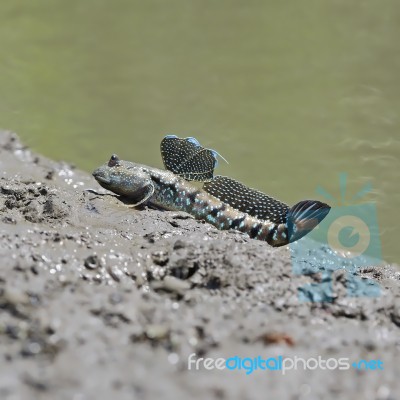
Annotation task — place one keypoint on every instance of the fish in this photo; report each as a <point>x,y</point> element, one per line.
<point>222,201</point>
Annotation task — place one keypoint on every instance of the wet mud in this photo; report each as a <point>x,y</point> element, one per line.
<point>99,300</point>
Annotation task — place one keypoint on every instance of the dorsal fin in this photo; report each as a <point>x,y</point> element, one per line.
<point>188,159</point>
<point>247,200</point>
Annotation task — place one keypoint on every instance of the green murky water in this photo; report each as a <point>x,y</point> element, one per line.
<point>291,93</point>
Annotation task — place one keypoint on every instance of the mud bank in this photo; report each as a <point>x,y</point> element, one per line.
<point>101,301</point>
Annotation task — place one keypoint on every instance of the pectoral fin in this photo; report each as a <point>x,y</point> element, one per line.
<point>142,195</point>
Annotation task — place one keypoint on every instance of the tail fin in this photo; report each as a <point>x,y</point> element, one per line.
<point>304,216</point>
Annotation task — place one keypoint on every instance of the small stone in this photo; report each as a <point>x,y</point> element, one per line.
<point>160,257</point>
<point>9,220</point>
<point>172,284</point>
<point>156,332</point>
<point>179,244</point>
<point>92,262</point>
<point>115,298</point>
<point>115,273</point>
<point>15,296</point>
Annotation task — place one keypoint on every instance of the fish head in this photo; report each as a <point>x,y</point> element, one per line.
<point>123,178</point>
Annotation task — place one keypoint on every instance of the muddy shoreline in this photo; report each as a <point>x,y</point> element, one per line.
<point>98,300</point>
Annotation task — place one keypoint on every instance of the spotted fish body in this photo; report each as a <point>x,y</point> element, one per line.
<point>223,202</point>
<point>174,193</point>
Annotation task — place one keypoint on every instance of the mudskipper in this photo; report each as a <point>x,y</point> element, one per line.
<point>222,202</point>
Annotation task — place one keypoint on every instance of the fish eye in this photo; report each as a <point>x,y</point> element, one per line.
<point>114,160</point>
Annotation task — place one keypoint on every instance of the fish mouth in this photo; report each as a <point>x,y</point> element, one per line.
<point>101,178</point>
